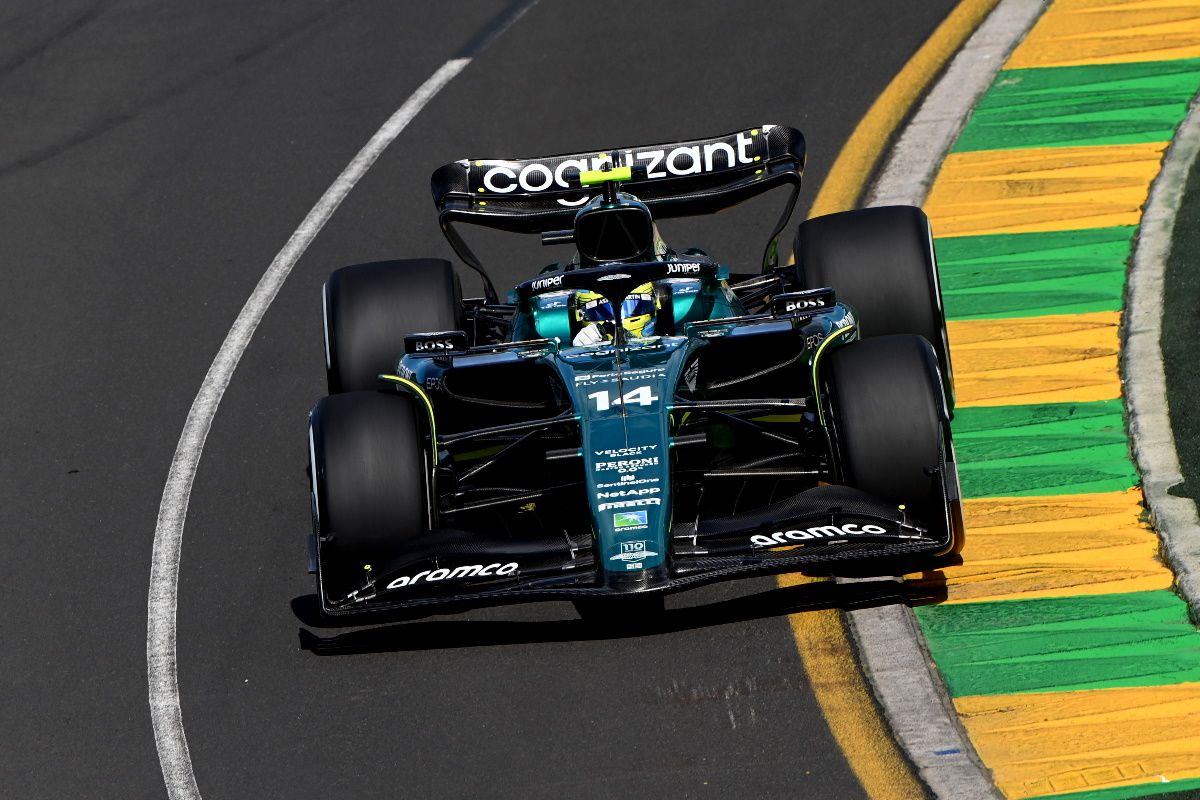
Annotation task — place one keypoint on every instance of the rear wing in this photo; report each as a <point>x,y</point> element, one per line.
<point>700,176</point>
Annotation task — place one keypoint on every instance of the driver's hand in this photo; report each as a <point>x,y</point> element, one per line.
<point>589,334</point>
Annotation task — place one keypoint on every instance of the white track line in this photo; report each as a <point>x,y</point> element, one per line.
<point>162,674</point>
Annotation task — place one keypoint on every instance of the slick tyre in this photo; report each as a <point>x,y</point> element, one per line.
<point>888,423</point>
<point>370,477</point>
<point>370,308</point>
<point>881,262</point>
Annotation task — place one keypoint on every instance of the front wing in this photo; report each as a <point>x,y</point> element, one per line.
<point>830,530</point>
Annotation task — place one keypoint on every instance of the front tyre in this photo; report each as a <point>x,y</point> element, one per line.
<point>370,468</point>
<point>881,262</point>
<point>890,425</point>
<point>370,308</point>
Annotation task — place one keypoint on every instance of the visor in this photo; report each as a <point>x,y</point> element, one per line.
<point>634,305</point>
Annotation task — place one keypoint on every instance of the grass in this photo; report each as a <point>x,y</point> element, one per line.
<point>1181,337</point>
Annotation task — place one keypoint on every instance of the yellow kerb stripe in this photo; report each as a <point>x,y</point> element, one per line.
<point>846,702</point>
<point>1021,548</point>
<point>1042,189</point>
<point>1074,32</point>
<point>1048,359</point>
<point>825,650</point>
<point>1058,742</point>
<point>858,157</point>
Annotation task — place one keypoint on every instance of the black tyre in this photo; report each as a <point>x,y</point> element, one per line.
<point>881,262</point>
<point>370,476</point>
<point>370,308</point>
<point>889,423</point>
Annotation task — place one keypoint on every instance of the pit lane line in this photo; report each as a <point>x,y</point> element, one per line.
<point>162,674</point>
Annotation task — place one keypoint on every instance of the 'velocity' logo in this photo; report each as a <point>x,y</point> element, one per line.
<point>458,573</point>
<point>818,532</point>
<point>626,452</point>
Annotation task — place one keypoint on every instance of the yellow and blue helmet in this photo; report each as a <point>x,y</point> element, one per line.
<point>638,311</point>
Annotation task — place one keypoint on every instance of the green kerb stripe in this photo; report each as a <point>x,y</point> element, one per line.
<point>1053,448</point>
<point>1188,789</point>
<point>1063,644</point>
<point>1034,274</point>
<point>1091,105</point>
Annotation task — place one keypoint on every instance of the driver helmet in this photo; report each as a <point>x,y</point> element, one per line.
<point>638,312</point>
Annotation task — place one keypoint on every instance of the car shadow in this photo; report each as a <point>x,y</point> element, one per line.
<point>398,634</point>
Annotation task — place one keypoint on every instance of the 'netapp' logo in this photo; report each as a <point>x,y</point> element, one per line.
<point>628,493</point>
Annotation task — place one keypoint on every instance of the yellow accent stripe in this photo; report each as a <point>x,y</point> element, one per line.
<point>1057,742</point>
<point>862,151</point>
<point>428,404</point>
<point>1021,548</point>
<point>475,455</point>
<point>1036,359</point>
<point>779,418</point>
<point>847,704</point>
<point>1076,32</point>
<point>816,363</point>
<point>1042,189</point>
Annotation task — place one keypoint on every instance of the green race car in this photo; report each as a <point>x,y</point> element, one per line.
<point>634,420</point>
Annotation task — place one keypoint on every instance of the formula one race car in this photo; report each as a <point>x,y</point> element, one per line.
<point>636,420</point>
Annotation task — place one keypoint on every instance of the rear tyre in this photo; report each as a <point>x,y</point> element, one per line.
<point>370,477</point>
<point>370,308</point>
<point>889,425</point>
<point>881,262</point>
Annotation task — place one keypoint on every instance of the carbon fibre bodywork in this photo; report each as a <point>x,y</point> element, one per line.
<point>557,465</point>
<point>652,464</point>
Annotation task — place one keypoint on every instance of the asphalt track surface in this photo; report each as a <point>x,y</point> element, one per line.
<point>153,160</point>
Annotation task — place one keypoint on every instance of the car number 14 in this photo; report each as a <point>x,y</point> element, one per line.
<point>642,396</point>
